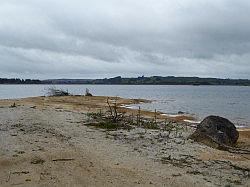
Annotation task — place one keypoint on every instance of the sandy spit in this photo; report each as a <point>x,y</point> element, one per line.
<point>44,142</point>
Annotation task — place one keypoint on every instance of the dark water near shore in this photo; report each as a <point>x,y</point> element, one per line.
<point>232,102</point>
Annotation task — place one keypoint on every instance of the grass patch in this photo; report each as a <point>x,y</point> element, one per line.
<point>108,125</point>
<point>150,125</point>
<point>104,125</point>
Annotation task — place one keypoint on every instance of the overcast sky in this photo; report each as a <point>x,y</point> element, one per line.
<point>105,38</point>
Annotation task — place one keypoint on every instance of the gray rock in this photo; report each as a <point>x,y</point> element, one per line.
<point>215,131</point>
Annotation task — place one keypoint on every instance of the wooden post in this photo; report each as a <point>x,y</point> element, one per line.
<point>139,115</point>
<point>155,116</point>
<point>100,113</point>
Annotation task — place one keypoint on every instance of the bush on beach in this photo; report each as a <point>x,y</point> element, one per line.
<point>53,91</point>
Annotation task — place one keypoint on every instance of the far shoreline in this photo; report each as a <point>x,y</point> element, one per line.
<point>136,84</point>
<point>141,80</point>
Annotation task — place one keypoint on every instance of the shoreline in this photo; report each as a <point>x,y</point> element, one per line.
<point>123,103</point>
<point>199,105</point>
<point>51,141</point>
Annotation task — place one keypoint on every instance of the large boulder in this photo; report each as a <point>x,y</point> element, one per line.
<point>216,132</point>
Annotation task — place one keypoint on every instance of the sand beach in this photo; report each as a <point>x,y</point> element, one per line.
<point>48,141</point>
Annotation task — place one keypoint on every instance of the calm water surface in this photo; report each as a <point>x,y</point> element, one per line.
<point>232,102</point>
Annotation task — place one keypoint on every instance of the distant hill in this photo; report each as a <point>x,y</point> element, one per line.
<point>154,80</point>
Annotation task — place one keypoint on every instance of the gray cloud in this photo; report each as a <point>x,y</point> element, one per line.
<point>96,39</point>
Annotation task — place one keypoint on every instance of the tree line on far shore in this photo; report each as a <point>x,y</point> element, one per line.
<point>154,80</point>
<point>19,81</point>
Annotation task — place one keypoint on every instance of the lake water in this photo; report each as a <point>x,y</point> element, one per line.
<point>232,102</point>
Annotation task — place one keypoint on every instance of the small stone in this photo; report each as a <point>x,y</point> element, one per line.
<point>37,161</point>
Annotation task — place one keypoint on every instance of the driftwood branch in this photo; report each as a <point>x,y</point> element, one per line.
<point>114,115</point>
<point>110,109</point>
<point>63,159</point>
